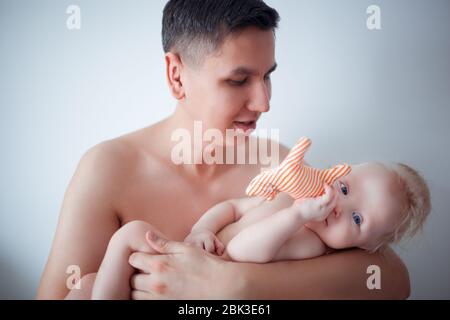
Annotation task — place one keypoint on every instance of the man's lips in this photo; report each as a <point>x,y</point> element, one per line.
<point>245,125</point>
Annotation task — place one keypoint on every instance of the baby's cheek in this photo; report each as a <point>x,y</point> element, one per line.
<point>341,236</point>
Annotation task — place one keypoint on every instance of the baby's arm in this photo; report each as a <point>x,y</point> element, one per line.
<point>203,233</point>
<point>272,237</point>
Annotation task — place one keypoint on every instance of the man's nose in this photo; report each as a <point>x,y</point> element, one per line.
<point>260,100</point>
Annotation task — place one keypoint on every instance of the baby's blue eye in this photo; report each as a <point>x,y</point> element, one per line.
<point>344,189</point>
<point>357,218</point>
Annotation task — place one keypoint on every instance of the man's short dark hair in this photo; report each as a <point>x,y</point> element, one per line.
<point>195,28</point>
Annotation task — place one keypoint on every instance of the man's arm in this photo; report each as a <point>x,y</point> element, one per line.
<point>341,275</point>
<point>87,219</point>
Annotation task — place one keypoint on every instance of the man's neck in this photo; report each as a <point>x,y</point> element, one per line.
<point>180,130</point>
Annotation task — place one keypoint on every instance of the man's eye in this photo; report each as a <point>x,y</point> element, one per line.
<point>343,188</point>
<point>237,82</point>
<point>357,219</point>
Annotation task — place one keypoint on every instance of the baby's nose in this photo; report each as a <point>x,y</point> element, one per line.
<point>337,211</point>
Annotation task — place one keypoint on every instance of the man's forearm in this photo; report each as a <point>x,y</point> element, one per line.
<point>341,275</point>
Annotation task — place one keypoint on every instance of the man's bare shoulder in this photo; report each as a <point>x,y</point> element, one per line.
<point>102,170</point>
<point>113,155</point>
<point>125,152</point>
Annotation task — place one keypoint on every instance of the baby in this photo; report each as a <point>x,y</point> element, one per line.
<point>373,205</point>
<point>367,206</point>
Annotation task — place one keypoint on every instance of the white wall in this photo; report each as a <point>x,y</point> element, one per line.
<point>360,95</point>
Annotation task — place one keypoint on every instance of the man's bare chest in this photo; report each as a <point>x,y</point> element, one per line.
<point>173,204</point>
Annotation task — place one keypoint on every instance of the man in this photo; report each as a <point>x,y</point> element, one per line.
<point>219,56</point>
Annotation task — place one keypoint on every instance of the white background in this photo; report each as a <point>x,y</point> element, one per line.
<point>360,95</point>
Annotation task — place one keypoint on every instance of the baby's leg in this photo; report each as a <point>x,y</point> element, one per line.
<point>113,277</point>
<point>261,241</point>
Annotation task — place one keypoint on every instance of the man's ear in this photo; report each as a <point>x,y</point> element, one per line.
<point>174,66</point>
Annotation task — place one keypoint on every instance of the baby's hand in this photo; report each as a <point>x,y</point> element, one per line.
<point>206,240</point>
<point>319,208</point>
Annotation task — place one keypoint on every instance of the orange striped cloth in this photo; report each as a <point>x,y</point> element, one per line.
<point>295,178</point>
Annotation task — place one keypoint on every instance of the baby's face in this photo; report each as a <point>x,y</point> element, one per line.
<point>366,208</point>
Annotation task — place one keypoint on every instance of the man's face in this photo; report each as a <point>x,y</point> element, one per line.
<point>232,87</point>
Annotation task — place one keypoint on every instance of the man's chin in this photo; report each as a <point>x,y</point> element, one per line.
<point>241,134</point>
<point>238,138</point>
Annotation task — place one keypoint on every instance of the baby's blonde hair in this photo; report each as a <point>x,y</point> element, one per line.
<point>416,205</point>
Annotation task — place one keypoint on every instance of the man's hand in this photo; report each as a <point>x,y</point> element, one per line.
<point>319,208</point>
<point>182,271</point>
<point>207,240</point>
